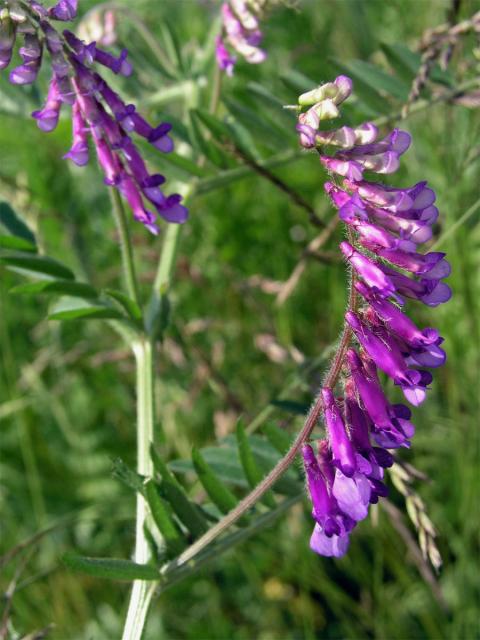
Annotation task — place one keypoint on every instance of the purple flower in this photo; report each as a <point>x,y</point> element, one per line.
<point>397,321</point>
<point>343,453</point>
<point>373,275</point>
<point>225,60</point>
<point>47,118</point>
<point>330,535</point>
<point>353,493</point>
<point>7,41</point>
<point>118,65</point>
<point>79,150</point>
<point>386,354</point>
<point>240,31</point>
<point>64,10</point>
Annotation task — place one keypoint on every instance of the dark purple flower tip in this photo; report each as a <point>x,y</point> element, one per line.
<point>379,490</point>
<point>401,411</point>
<point>383,457</point>
<point>64,10</point>
<point>154,180</point>
<point>173,211</point>
<point>158,137</point>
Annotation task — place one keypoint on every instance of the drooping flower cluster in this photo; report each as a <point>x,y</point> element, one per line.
<point>240,32</point>
<point>387,225</point>
<point>98,113</point>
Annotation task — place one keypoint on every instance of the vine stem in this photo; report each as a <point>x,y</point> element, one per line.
<point>125,246</point>
<point>282,466</point>
<point>142,591</point>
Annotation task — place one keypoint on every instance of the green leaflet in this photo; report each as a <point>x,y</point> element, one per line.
<point>219,494</point>
<point>253,473</point>
<point>110,568</point>
<point>34,265</point>
<point>163,517</point>
<point>12,223</point>
<point>187,512</point>
<point>56,287</point>
<point>128,305</point>
<point>66,310</point>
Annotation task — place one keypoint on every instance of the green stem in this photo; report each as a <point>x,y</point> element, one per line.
<point>125,246</point>
<point>142,591</point>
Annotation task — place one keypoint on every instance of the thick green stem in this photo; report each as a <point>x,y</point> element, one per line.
<point>142,591</point>
<point>125,246</point>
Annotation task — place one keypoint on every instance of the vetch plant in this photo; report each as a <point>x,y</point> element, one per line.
<point>97,111</point>
<point>385,226</point>
<point>240,32</point>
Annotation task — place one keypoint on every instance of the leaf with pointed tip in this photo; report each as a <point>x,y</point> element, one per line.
<point>187,512</point>
<point>130,306</point>
<point>10,221</point>
<point>34,265</point>
<point>110,568</point>
<point>378,79</point>
<point>16,244</point>
<point>217,491</point>
<point>56,287</point>
<point>404,62</point>
<point>163,518</point>
<point>172,45</point>
<point>71,309</point>
<point>252,471</point>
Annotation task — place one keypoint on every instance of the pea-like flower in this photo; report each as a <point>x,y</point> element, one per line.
<point>386,226</point>
<point>98,113</point>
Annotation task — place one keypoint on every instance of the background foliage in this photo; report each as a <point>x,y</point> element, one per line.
<point>67,389</point>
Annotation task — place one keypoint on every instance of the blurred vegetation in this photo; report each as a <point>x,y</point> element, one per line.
<point>67,404</point>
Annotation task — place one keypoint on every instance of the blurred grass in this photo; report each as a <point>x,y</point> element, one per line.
<point>68,400</point>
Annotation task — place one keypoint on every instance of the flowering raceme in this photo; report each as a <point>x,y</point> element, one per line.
<point>98,113</point>
<point>385,227</point>
<point>240,32</point>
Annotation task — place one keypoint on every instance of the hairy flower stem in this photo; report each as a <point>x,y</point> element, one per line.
<point>282,466</point>
<point>125,246</point>
<point>142,591</point>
